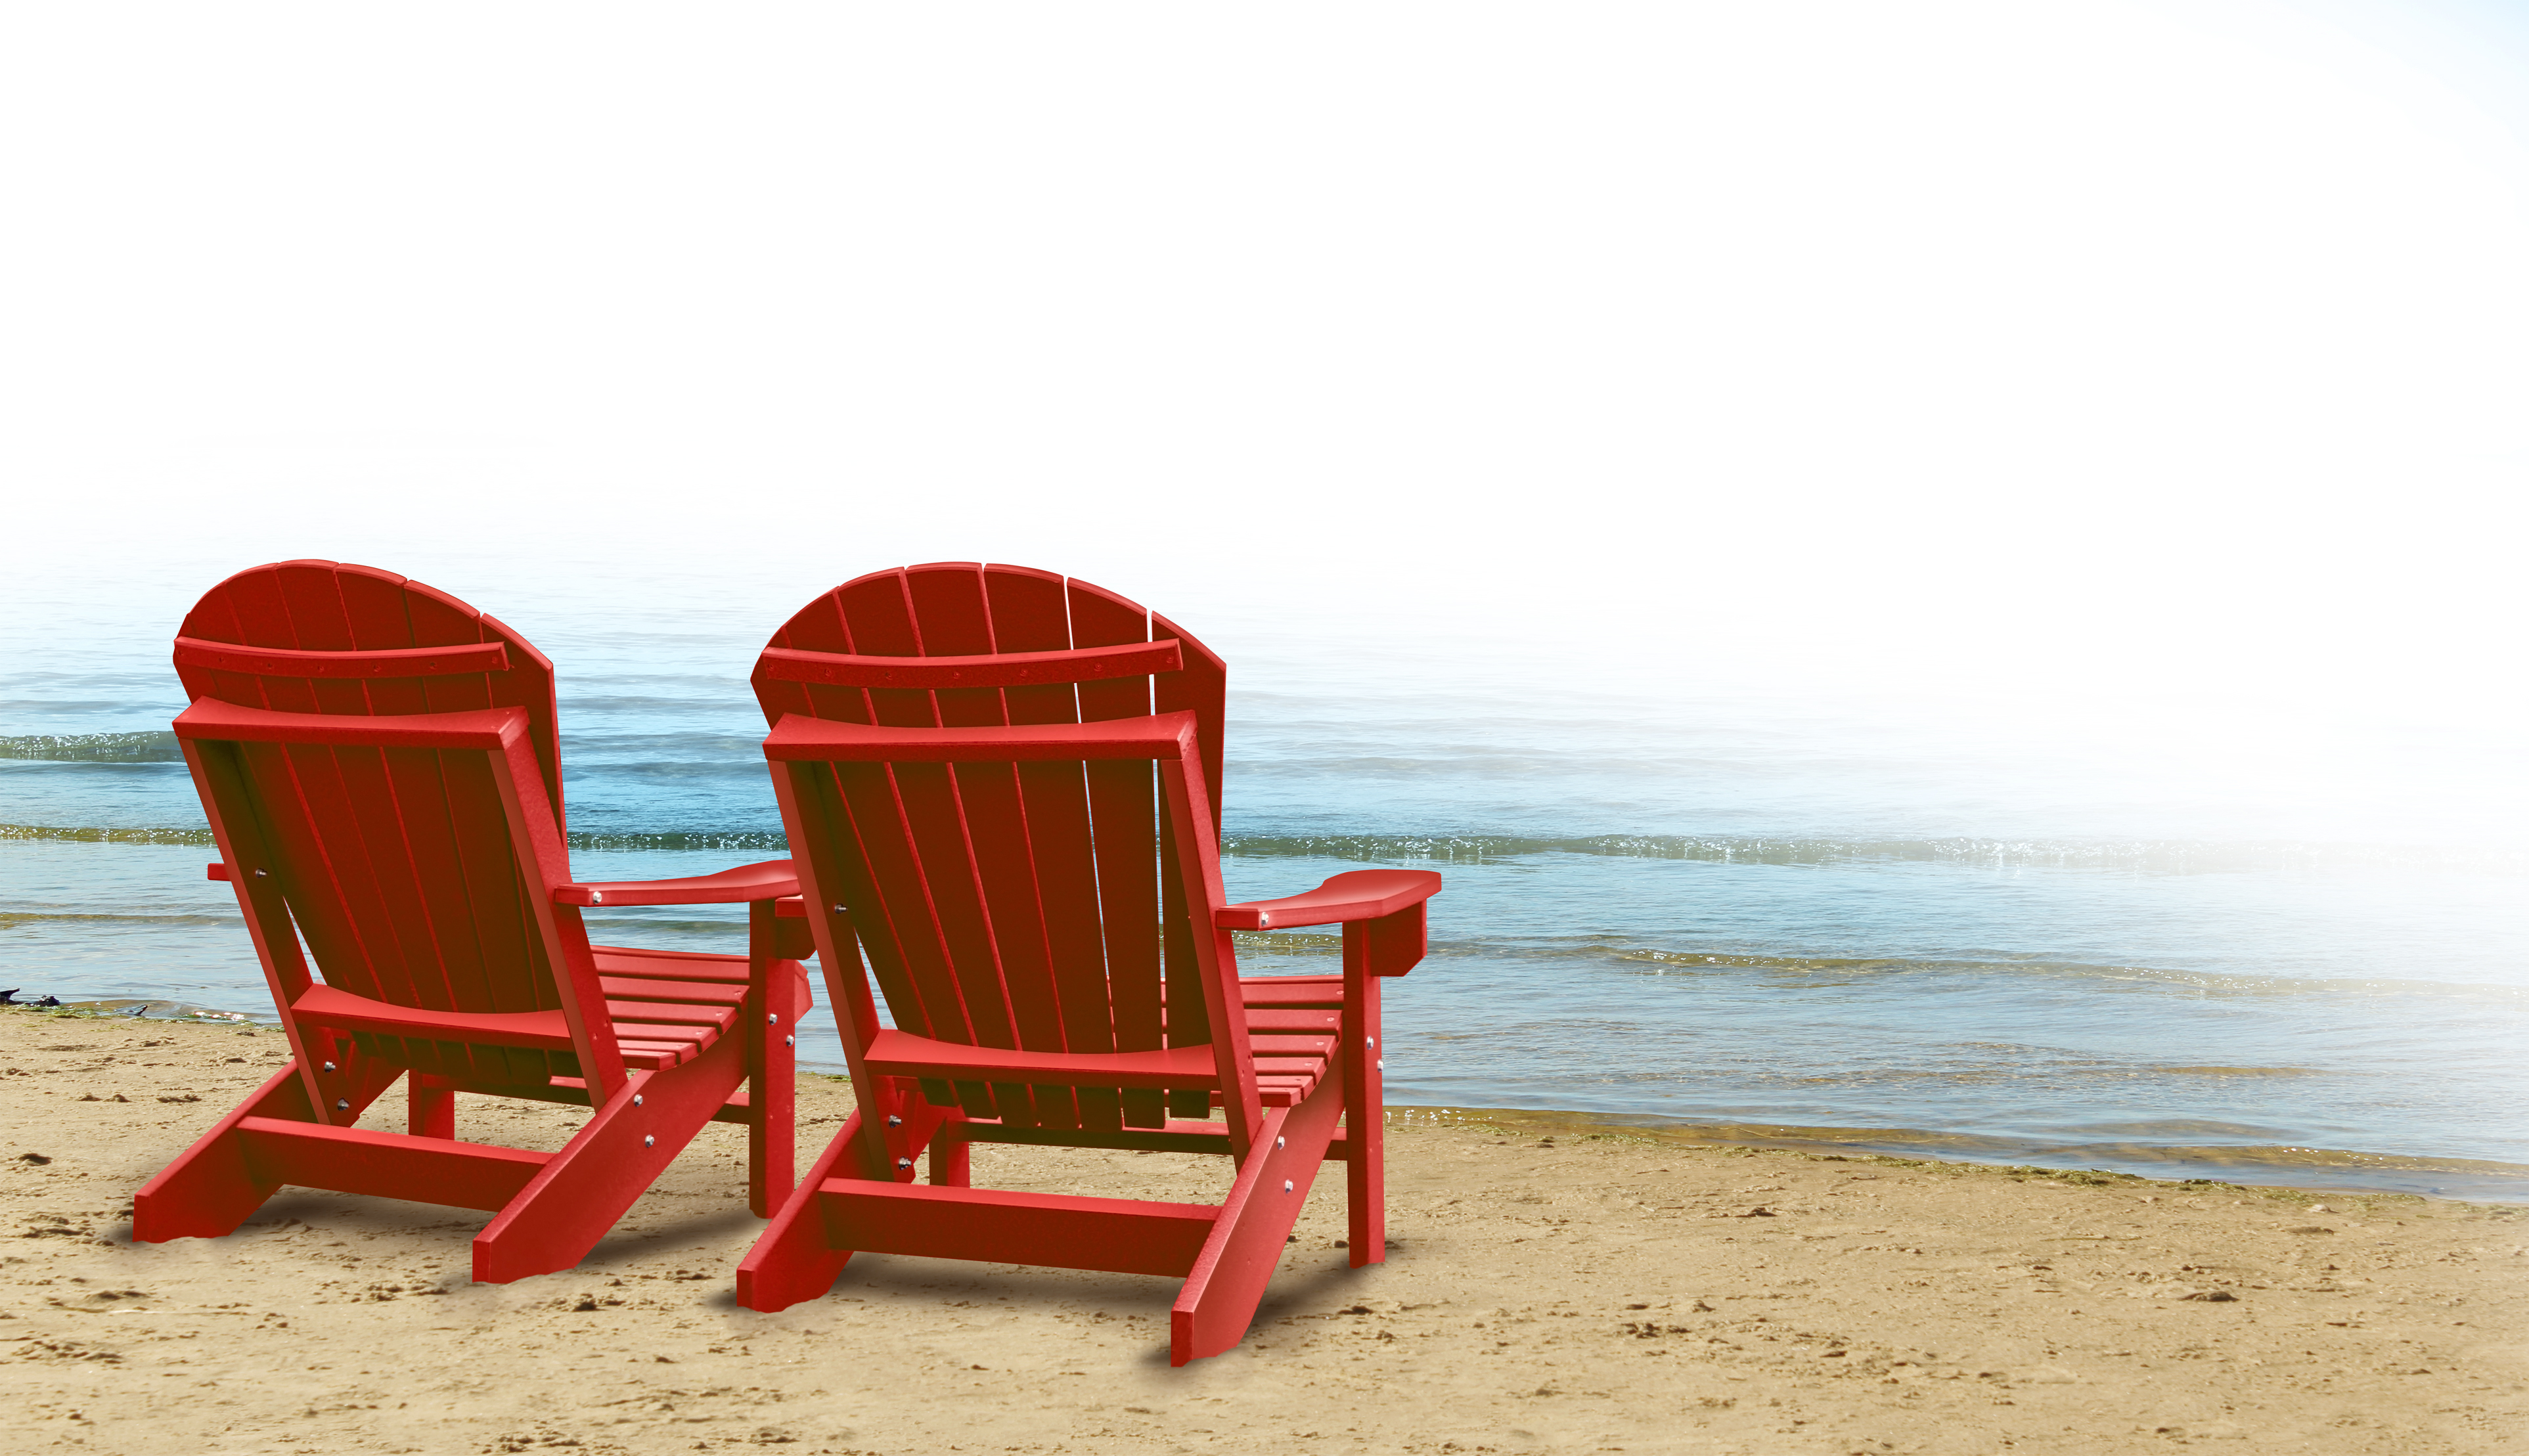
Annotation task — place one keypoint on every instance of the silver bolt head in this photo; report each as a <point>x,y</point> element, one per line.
<point>1279,1142</point>
<point>636,1098</point>
<point>1382,1063</point>
<point>648,1140</point>
<point>342,1105</point>
<point>328,1066</point>
<point>1286,1185</point>
<point>773,1018</point>
<point>902,1164</point>
<point>789,1041</point>
<point>894,1121</point>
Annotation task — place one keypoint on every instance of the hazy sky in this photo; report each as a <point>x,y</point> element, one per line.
<point>2172,344</point>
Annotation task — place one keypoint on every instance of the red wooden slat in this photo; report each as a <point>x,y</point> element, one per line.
<point>907,931</point>
<point>820,626</point>
<point>971,672</point>
<point>360,827</point>
<point>897,1054</point>
<point>664,1034</point>
<point>349,1010</point>
<point>806,738</point>
<point>527,685</point>
<point>350,1159</point>
<point>404,957</point>
<point>431,911</point>
<point>1057,974</point>
<point>1202,687</point>
<point>891,906</point>
<point>947,601</point>
<point>358,665</point>
<point>955,616</point>
<point>474,882</point>
<point>879,614</point>
<point>1292,991</point>
<point>1117,1235</point>
<point>1124,823</point>
<point>1266,1020</point>
<point>687,993</point>
<point>680,1013</point>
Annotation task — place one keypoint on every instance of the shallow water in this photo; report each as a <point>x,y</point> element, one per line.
<point>1951,929</point>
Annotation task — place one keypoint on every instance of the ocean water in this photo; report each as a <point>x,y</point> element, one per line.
<point>1978,927</point>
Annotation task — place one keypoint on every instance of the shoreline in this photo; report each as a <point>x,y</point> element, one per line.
<point>1545,1290</point>
<point>2308,1170</point>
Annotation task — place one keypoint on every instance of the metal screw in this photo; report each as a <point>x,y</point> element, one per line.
<point>1372,1041</point>
<point>648,1140</point>
<point>773,1018</point>
<point>1382,1063</point>
<point>902,1164</point>
<point>263,874</point>
<point>789,1041</point>
<point>894,1121</point>
<point>636,1098</point>
<point>342,1105</point>
<point>1277,1142</point>
<point>839,910</point>
<point>328,1066</point>
<point>1286,1185</point>
<point>597,896</point>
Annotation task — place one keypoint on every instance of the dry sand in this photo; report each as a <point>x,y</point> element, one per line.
<point>1548,1290</point>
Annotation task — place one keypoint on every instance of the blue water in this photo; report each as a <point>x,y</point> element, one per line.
<point>1971,928</point>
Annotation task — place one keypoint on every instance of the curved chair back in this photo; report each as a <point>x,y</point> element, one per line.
<point>378,759</point>
<point>1036,906</point>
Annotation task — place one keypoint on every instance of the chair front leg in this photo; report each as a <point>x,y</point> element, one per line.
<point>1364,1104</point>
<point>777,996</point>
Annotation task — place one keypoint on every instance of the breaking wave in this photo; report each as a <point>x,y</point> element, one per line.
<point>95,748</point>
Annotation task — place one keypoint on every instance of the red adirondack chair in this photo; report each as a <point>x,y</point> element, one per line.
<point>997,785</point>
<point>379,766</point>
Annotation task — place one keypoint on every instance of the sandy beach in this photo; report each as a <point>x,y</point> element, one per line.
<point>1549,1288</point>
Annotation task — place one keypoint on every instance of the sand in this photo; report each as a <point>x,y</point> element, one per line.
<point>1548,1290</point>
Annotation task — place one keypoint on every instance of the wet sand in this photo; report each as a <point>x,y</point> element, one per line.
<point>1548,1290</point>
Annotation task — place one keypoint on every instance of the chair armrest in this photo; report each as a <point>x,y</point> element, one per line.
<point>1355,895</point>
<point>768,881</point>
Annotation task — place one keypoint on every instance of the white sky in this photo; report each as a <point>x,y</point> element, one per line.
<point>2171,348</point>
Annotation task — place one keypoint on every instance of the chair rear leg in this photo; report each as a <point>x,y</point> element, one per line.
<point>430,1107</point>
<point>951,1157</point>
<point>210,1188</point>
